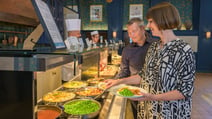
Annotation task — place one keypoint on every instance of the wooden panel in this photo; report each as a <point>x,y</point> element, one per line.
<point>18,11</point>
<point>12,18</point>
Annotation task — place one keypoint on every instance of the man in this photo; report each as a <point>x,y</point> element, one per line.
<point>72,43</point>
<point>73,28</point>
<point>133,55</point>
<point>95,37</point>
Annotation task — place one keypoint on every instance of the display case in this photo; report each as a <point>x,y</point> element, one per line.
<point>89,64</point>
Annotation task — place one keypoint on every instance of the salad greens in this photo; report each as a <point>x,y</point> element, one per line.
<point>126,92</point>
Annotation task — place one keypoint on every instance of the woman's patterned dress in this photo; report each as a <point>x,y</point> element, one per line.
<point>170,68</point>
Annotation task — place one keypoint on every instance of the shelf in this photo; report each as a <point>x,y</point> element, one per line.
<point>4,31</point>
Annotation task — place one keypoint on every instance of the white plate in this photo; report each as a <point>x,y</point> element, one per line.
<point>115,90</point>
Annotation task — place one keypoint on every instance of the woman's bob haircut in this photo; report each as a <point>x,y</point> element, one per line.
<point>165,15</point>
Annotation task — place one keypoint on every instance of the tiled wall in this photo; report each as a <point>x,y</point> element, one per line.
<point>184,7</point>
<point>85,15</point>
<point>127,4</point>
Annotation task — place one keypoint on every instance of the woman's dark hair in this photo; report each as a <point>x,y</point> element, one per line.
<point>165,15</point>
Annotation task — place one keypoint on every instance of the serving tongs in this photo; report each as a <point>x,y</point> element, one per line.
<point>97,96</point>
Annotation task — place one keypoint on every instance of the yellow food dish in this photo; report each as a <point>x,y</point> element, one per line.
<point>75,84</point>
<point>58,96</point>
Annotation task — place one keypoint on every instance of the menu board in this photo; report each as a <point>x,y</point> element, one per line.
<point>48,23</point>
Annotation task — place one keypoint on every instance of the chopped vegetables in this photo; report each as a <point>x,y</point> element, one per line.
<point>81,107</point>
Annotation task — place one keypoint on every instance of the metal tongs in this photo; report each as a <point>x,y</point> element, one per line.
<point>101,94</point>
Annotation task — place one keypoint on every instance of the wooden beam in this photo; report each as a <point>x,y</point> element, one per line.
<point>12,18</point>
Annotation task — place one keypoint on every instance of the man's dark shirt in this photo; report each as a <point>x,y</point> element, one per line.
<point>133,58</point>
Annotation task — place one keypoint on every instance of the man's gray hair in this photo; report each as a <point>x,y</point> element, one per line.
<point>137,20</point>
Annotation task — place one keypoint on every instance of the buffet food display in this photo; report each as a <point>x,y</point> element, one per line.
<point>95,81</point>
<point>75,84</point>
<point>87,107</point>
<point>89,91</point>
<point>116,60</point>
<point>48,112</point>
<point>78,97</point>
<point>109,71</point>
<point>89,73</point>
<point>58,96</point>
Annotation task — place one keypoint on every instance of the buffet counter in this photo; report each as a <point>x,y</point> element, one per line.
<point>27,77</point>
<point>116,107</point>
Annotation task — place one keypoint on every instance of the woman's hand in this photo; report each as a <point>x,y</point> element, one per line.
<point>145,97</point>
<point>168,96</point>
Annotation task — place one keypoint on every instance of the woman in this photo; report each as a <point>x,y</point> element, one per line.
<point>169,71</point>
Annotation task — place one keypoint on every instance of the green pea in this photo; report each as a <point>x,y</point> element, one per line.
<point>81,107</point>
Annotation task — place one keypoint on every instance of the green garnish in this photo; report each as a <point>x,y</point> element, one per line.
<point>81,107</point>
<point>126,92</point>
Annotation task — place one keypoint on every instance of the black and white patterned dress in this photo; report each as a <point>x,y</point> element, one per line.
<point>170,68</point>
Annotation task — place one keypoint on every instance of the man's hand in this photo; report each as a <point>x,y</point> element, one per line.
<point>111,82</point>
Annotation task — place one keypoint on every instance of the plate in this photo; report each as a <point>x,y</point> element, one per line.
<point>127,91</point>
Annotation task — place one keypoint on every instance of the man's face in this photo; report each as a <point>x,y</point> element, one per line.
<point>95,38</point>
<point>135,32</point>
<point>74,33</point>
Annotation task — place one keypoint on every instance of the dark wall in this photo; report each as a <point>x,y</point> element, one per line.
<point>204,56</point>
<point>115,18</point>
<point>201,18</point>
